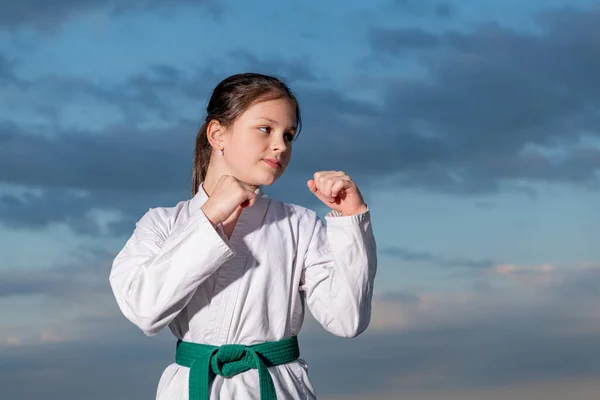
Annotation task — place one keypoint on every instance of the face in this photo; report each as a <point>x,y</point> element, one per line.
<point>258,147</point>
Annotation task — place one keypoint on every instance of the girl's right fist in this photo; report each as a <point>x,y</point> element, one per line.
<point>228,195</point>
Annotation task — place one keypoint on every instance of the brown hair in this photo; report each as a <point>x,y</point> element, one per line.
<point>230,98</point>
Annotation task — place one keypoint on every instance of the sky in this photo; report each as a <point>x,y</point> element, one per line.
<point>472,129</point>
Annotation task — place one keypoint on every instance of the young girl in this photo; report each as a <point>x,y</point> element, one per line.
<point>230,271</point>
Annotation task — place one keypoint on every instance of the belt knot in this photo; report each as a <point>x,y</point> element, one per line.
<point>230,359</point>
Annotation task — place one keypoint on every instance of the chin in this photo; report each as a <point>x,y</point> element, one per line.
<point>264,180</point>
<point>260,176</point>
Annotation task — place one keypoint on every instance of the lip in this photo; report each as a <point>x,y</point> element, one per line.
<point>272,163</point>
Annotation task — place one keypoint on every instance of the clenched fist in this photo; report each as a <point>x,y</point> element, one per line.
<point>228,195</point>
<point>338,192</point>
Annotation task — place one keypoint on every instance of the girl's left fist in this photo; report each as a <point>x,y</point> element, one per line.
<point>338,192</point>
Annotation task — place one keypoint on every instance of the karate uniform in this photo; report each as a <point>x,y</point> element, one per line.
<point>178,270</point>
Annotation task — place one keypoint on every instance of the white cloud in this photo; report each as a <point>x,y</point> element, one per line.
<point>12,341</point>
<point>512,292</point>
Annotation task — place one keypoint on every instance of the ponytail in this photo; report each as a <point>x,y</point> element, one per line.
<point>201,158</point>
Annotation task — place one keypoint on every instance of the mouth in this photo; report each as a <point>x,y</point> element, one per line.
<point>272,163</point>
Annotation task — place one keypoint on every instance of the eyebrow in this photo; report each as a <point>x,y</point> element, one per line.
<point>293,128</point>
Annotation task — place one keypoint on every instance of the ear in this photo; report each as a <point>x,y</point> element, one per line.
<point>215,132</point>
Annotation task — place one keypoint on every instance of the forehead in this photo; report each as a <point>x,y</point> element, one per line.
<point>281,110</point>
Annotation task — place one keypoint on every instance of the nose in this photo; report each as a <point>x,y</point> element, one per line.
<point>278,143</point>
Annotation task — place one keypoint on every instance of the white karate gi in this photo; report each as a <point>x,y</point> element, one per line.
<point>178,270</point>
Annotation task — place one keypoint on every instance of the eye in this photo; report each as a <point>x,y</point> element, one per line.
<point>265,129</point>
<point>289,137</point>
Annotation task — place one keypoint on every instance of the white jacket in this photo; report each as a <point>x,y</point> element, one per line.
<point>177,270</point>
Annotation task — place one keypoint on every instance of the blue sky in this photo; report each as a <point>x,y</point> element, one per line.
<point>471,127</point>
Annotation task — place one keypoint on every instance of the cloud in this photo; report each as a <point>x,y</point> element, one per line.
<point>528,275</point>
<point>130,148</point>
<point>82,179</point>
<point>40,14</point>
<point>562,299</point>
<point>410,255</point>
<point>519,333</point>
<point>56,369</point>
<point>121,159</point>
<point>159,94</point>
<point>142,159</point>
<point>81,279</point>
<point>419,342</point>
<point>495,105</point>
<point>123,154</point>
<point>495,108</point>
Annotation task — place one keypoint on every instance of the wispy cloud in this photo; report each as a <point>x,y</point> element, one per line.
<point>83,278</point>
<point>435,259</point>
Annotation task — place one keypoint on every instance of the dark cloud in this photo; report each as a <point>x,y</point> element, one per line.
<point>104,213</point>
<point>121,168</point>
<point>126,168</point>
<point>497,104</point>
<point>41,14</point>
<point>122,159</point>
<point>80,174</point>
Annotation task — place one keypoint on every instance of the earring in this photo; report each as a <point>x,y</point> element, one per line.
<point>220,152</point>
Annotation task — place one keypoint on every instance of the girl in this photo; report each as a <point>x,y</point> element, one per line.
<point>230,271</point>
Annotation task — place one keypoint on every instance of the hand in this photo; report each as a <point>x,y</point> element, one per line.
<point>229,195</point>
<point>338,192</point>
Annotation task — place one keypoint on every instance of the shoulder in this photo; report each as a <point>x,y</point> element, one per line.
<point>162,219</point>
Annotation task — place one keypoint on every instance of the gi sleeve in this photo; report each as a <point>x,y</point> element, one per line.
<point>339,271</point>
<point>157,272</point>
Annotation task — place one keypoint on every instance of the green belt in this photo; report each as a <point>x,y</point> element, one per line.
<point>232,359</point>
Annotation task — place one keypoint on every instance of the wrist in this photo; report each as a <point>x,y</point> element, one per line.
<point>209,216</point>
<point>359,210</point>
